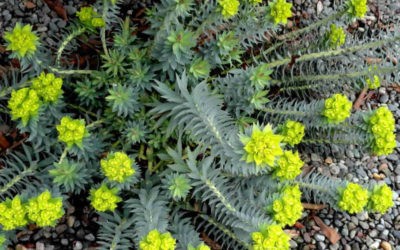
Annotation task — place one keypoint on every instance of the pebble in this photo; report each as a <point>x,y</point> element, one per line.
<point>77,245</point>
<point>374,245</point>
<point>64,242</point>
<point>335,170</point>
<point>61,228</point>
<point>386,245</point>
<point>319,237</point>
<point>40,246</point>
<point>373,233</point>
<point>364,225</point>
<point>321,246</point>
<point>90,237</point>
<point>71,221</point>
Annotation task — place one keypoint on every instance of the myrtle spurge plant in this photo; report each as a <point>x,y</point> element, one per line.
<point>195,123</point>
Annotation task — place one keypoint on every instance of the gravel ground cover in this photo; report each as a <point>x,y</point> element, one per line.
<point>364,231</point>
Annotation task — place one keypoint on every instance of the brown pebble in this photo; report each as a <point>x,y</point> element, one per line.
<point>378,177</point>
<point>386,245</point>
<point>328,160</point>
<point>383,167</point>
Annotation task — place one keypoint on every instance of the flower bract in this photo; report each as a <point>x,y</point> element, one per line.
<point>104,199</point>
<point>48,87</point>
<point>229,7</point>
<point>117,167</point>
<point>280,11</point>
<point>155,240</point>
<point>353,198</point>
<point>380,199</point>
<point>22,41</point>
<point>337,108</point>
<point>45,210</point>
<point>71,131</point>
<point>24,104</point>
<point>12,214</point>
<point>270,237</point>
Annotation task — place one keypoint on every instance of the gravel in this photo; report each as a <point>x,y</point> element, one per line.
<point>358,232</point>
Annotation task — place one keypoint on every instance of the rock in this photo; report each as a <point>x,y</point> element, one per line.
<point>293,244</point>
<point>40,246</point>
<point>306,237</point>
<point>386,245</point>
<point>71,221</point>
<point>334,169</point>
<point>396,234</point>
<point>362,216</point>
<point>328,160</point>
<point>64,242</point>
<point>384,98</point>
<point>373,233</point>
<point>90,237</point>
<point>77,245</point>
<point>320,7</point>
<point>80,234</point>
<point>319,237</point>
<point>61,229</point>
<point>315,157</point>
<point>321,246</point>
<point>374,245</point>
<point>364,225</point>
<point>20,247</point>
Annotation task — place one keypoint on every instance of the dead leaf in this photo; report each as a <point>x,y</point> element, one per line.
<point>30,5</point>
<point>329,232</point>
<point>58,7</point>
<point>292,233</point>
<point>396,87</point>
<point>372,60</point>
<point>4,143</point>
<point>313,206</point>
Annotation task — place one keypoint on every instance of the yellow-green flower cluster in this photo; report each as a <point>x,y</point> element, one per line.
<point>289,166</point>
<point>104,199</point>
<point>271,237</point>
<point>45,210</point>
<point>262,147</point>
<point>382,126</point>
<point>22,41</point>
<point>71,131</point>
<point>12,214</point>
<point>375,83</point>
<point>89,17</point>
<point>336,36</point>
<point>280,11</point>
<point>24,104</point>
<point>117,167</point>
<point>47,86</point>
<point>337,108</point>
<point>353,198</point>
<point>288,209</point>
<point>154,240</point>
<point>380,199</point>
<point>202,246</point>
<point>292,132</point>
<point>255,1</point>
<point>357,8</point>
<point>229,7</point>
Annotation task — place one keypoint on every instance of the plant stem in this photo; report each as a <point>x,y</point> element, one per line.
<point>285,112</point>
<point>103,29</point>
<point>312,186</point>
<point>71,71</point>
<point>63,155</point>
<point>67,40</point>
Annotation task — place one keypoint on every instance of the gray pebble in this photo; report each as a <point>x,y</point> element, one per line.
<point>321,246</point>
<point>374,245</point>
<point>373,233</point>
<point>319,237</point>
<point>90,237</point>
<point>64,242</point>
<point>77,245</point>
<point>335,170</point>
<point>61,228</point>
<point>364,225</point>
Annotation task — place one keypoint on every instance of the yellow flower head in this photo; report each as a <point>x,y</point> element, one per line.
<point>292,132</point>
<point>117,167</point>
<point>22,41</point>
<point>270,237</point>
<point>357,8</point>
<point>24,104</point>
<point>202,246</point>
<point>255,1</point>
<point>337,108</point>
<point>353,198</point>
<point>104,199</point>
<point>289,166</point>
<point>336,36</point>
<point>45,210</point>
<point>89,17</point>
<point>262,147</point>
<point>380,200</point>
<point>12,214</point>
<point>280,11</point>
<point>71,131</point>
<point>382,127</point>
<point>375,83</point>
<point>229,7</point>
<point>48,87</point>
<point>154,240</point>
<point>288,209</point>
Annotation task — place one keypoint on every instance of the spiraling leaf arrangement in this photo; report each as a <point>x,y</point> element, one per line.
<point>196,124</point>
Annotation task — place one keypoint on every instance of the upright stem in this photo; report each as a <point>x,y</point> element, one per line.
<point>63,155</point>
<point>67,40</point>
<point>103,30</point>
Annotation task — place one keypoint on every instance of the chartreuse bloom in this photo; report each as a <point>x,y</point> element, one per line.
<point>45,210</point>
<point>262,147</point>
<point>288,209</point>
<point>357,8</point>
<point>104,199</point>
<point>155,240</point>
<point>337,108</point>
<point>89,17</point>
<point>382,127</point>
<point>117,167</point>
<point>280,11</point>
<point>373,83</point>
<point>270,237</point>
<point>202,246</point>
<point>24,104</point>
<point>22,41</point>
<point>229,7</point>
<point>48,87</point>
<point>380,199</point>
<point>353,198</point>
<point>71,131</point>
<point>12,214</point>
<point>336,36</point>
<point>288,166</point>
<point>255,1</point>
<point>292,132</point>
